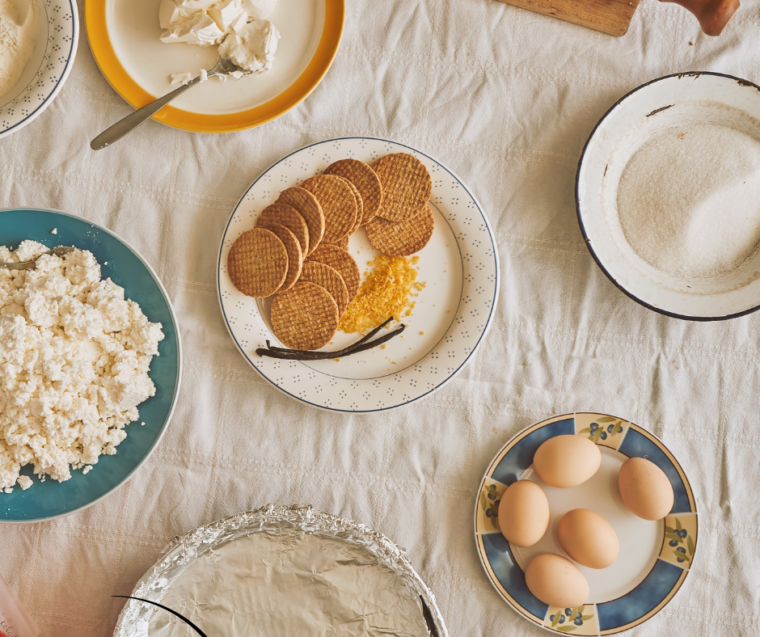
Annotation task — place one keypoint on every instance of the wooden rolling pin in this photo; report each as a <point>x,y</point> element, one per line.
<point>614,16</point>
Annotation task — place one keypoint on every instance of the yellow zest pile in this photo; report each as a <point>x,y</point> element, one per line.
<point>387,290</point>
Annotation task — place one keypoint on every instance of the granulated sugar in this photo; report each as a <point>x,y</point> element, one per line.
<point>689,200</point>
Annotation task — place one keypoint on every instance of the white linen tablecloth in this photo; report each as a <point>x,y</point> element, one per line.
<point>506,98</point>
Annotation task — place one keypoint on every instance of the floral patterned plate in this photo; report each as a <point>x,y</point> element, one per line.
<point>459,267</point>
<point>655,557</point>
<point>48,67</point>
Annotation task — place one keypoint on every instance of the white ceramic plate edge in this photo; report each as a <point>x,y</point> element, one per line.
<point>484,332</point>
<point>66,71</point>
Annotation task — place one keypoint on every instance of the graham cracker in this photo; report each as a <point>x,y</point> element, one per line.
<point>403,238</point>
<point>407,185</point>
<point>306,204</point>
<point>366,181</point>
<point>328,278</point>
<point>338,204</point>
<point>305,317</point>
<point>341,243</point>
<point>257,263</point>
<point>359,208</point>
<point>343,262</point>
<point>293,248</point>
<point>288,217</point>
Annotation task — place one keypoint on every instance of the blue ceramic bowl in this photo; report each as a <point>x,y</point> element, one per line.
<point>50,499</point>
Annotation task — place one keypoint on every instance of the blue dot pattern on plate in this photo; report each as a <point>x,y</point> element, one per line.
<point>62,28</point>
<point>480,275</point>
<point>44,500</point>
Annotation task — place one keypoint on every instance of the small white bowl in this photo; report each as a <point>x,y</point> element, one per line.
<point>48,67</point>
<point>672,101</point>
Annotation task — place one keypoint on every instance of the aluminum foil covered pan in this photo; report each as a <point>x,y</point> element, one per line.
<point>283,571</point>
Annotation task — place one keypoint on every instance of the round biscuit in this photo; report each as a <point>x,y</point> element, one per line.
<point>407,185</point>
<point>257,263</point>
<point>305,317</point>
<point>341,243</point>
<point>328,278</point>
<point>359,208</point>
<point>343,262</point>
<point>338,204</point>
<point>288,217</point>
<point>403,238</point>
<point>366,181</point>
<point>293,248</point>
<point>306,203</point>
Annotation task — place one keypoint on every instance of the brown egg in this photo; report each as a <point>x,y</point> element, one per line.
<point>645,489</point>
<point>588,538</point>
<point>524,513</point>
<point>567,461</point>
<point>556,581</point>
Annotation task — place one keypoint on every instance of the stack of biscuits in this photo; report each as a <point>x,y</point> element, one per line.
<point>298,248</point>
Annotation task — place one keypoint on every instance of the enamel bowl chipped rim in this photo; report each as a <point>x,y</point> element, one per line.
<point>48,68</point>
<point>453,312</point>
<point>664,103</point>
<point>126,267</point>
<point>654,559</point>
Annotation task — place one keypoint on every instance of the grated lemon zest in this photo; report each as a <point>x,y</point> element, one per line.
<point>388,288</point>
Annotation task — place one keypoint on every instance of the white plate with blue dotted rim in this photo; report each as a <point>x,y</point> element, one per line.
<point>47,69</point>
<point>654,559</point>
<point>452,313</point>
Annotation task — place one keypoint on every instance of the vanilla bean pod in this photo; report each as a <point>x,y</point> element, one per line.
<point>361,345</point>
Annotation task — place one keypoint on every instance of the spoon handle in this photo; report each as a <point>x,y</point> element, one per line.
<point>24,265</point>
<point>133,120</point>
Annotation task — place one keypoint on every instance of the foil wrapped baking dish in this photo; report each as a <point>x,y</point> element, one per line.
<point>286,570</point>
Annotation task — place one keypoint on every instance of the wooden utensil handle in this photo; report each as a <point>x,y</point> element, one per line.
<point>608,16</point>
<point>713,15</point>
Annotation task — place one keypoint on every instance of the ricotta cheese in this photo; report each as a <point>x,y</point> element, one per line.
<point>74,362</point>
<point>238,27</point>
<point>253,48</point>
<point>259,8</point>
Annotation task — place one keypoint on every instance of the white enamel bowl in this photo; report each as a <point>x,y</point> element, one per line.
<point>48,68</point>
<point>672,101</point>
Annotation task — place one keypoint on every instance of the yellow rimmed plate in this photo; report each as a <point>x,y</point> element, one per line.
<point>124,38</point>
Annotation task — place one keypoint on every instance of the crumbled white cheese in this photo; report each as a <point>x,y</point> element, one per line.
<point>74,361</point>
<point>54,231</point>
<point>180,78</point>
<point>24,482</point>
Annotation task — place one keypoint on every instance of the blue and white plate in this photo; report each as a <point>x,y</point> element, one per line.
<point>459,267</point>
<point>654,559</point>
<point>125,267</point>
<point>48,67</point>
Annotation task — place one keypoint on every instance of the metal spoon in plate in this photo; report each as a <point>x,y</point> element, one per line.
<point>223,67</point>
